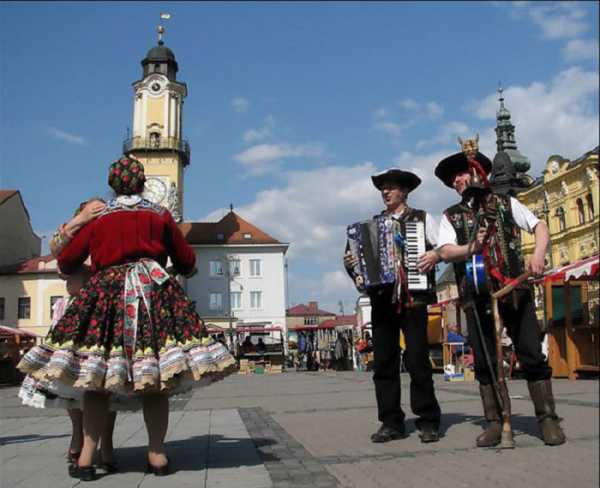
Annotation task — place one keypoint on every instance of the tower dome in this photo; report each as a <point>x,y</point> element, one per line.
<point>160,59</point>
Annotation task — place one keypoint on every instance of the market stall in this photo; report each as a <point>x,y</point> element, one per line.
<point>571,295</point>
<point>13,344</point>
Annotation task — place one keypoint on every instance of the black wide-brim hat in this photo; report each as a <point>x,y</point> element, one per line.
<point>398,176</point>
<point>457,163</point>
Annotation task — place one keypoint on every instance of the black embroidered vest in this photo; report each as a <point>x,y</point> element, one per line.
<point>463,219</point>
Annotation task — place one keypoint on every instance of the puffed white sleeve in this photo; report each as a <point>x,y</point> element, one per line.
<point>522,216</point>
<point>431,229</point>
<point>446,234</point>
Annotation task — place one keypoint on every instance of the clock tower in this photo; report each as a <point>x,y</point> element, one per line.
<point>157,136</point>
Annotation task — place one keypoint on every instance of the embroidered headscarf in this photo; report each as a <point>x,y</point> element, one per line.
<point>126,176</point>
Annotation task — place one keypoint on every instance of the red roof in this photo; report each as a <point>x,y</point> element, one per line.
<point>231,229</point>
<point>346,320</point>
<point>30,266</point>
<point>6,194</point>
<point>302,310</point>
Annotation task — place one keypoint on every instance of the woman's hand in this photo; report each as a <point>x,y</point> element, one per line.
<point>90,211</point>
<point>350,260</point>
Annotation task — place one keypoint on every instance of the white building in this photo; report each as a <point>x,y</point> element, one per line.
<point>241,275</point>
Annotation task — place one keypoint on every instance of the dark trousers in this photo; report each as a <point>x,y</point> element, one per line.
<point>386,325</point>
<point>522,328</point>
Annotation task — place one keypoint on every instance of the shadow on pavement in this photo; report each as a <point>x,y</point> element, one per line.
<point>195,454</point>
<point>21,439</point>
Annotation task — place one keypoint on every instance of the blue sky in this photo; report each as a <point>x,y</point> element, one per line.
<point>292,106</point>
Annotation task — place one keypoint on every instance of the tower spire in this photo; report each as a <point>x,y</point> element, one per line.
<point>161,29</point>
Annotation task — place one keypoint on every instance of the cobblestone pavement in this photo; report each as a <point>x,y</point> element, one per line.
<point>312,430</point>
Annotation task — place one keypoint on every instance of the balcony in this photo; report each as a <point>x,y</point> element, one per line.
<point>150,144</point>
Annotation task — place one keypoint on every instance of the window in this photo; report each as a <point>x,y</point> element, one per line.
<point>590,206</point>
<point>2,301</point>
<point>236,299</point>
<point>256,299</point>
<point>234,267</point>
<point>216,301</point>
<point>53,300</point>
<point>560,215</point>
<point>255,267</point>
<point>216,268</point>
<point>310,320</point>
<point>24,311</point>
<point>247,236</point>
<point>580,212</point>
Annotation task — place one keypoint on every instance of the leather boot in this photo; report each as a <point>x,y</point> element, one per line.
<point>493,432</point>
<point>543,401</point>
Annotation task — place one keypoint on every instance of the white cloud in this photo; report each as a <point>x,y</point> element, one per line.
<point>434,110</point>
<point>255,135</point>
<point>336,284</point>
<point>447,133</point>
<point>391,128</point>
<point>559,20</point>
<point>381,113</point>
<point>580,50</point>
<point>66,136</point>
<point>560,116</point>
<point>240,104</point>
<point>261,158</point>
<point>408,104</point>
<point>264,132</point>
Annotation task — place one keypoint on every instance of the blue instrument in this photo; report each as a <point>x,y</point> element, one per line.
<point>476,275</point>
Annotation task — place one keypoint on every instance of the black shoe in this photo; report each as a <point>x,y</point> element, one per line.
<point>428,431</point>
<point>84,474</point>
<point>110,467</point>
<point>159,470</point>
<point>388,433</point>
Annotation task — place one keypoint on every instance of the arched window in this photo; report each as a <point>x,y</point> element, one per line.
<point>590,206</point>
<point>580,212</point>
<point>560,215</point>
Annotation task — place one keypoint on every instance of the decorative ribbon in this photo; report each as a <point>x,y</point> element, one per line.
<point>138,286</point>
<point>473,163</point>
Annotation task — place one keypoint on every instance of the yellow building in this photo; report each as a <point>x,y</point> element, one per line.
<point>28,291</point>
<point>566,197</point>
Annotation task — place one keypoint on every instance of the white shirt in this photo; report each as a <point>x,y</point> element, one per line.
<point>522,216</point>
<point>431,228</point>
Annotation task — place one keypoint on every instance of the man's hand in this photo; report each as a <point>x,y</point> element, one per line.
<point>428,261</point>
<point>536,264</point>
<point>350,260</point>
<point>477,245</point>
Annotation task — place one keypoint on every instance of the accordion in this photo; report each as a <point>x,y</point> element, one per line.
<point>381,249</point>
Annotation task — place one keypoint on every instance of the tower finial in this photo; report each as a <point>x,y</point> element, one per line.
<point>160,29</point>
<point>231,207</point>
<point>500,92</point>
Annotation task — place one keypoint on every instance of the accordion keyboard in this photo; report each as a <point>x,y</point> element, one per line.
<point>415,246</point>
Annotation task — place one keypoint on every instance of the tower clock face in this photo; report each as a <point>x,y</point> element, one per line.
<point>156,85</point>
<point>155,190</point>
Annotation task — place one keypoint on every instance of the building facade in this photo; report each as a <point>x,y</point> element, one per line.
<point>307,315</point>
<point>566,197</point>
<point>28,291</point>
<point>18,242</point>
<point>241,275</point>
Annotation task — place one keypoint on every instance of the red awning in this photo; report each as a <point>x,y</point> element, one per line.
<point>586,268</point>
<point>7,331</point>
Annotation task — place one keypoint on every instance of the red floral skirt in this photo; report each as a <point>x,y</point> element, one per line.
<point>91,348</point>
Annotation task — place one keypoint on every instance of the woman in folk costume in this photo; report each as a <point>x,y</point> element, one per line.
<point>131,329</point>
<point>35,393</point>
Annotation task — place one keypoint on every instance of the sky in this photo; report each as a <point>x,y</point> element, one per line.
<point>292,106</point>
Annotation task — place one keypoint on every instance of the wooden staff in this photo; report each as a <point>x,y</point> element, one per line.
<point>507,441</point>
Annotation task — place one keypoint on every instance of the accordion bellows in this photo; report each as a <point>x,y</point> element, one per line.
<point>379,254</point>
